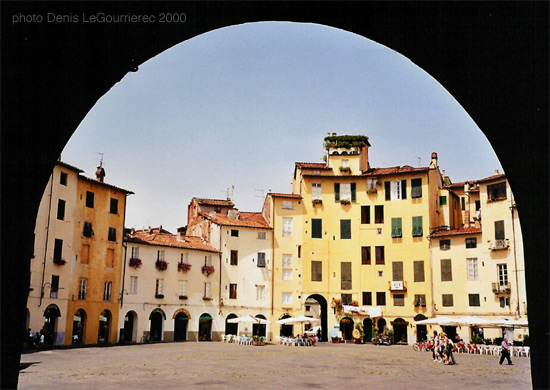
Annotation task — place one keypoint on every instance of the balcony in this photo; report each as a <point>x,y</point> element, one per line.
<point>397,285</point>
<point>496,245</point>
<point>502,288</point>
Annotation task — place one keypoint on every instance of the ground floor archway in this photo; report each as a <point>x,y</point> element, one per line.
<point>79,327</point>
<point>105,319</point>
<point>399,326</point>
<point>205,327</point>
<point>259,329</point>
<point>286,330</point>
<point>381,325</point>
<point>421,330</point>
<point>129,333</point>
<point>156,319</point>
<point>180,326</point>
<point>323,315</point>
<point>51,314</point>
<point>367,330</point>
<point>231,328</point>
<point>346,327</point>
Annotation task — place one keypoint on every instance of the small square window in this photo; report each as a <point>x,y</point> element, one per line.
<point>444,245</point>
<point>261,260</point>
<point>471,242</point>
<point>88,231</point>
<point>473,299</point>
<point>287,204</point>
<point>63,178</point>
<point>261,235</point>
<point>89,199</point>
<point>234,233</point>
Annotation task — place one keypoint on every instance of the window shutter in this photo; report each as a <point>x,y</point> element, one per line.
<point>387,190</point>
<point>417,227</point>
<point>397,270</point>
<point>336,192</point>
<point>396,227</point>
<point>499,230</point>
<point>345,268</point>
<point>353,189</point>
<point>446,271</point>
<point>403,189</point>
<point>419,271</point>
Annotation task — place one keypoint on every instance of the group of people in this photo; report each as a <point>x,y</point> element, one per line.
<point>31,341</point>
<point>305,339</point>
<point>443,348</point>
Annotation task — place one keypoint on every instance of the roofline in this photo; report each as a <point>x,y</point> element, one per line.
<point>68,166</point>
<point>446,233</point>
<point>106,185</point>
<point>280,195</point>
<point>139,241</point>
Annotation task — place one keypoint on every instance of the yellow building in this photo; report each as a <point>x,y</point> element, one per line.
<point>365,256</point>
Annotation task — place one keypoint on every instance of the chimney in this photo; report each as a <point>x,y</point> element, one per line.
<point>132,231</point>
<point>100,173</point>
<point>496,172</point>
<point>433,164</point>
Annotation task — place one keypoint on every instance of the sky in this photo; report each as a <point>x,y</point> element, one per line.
<point>229,112</point>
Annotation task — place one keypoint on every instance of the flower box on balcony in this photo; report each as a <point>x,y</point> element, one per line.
<point>345,169</point>
<point>345,201</point>
<point>59,261</point>
<point>161,265</point>
<point>184,267</point>
<point>317,201</point>
<point>206,298</point>
<point>134,263</point>
<point>372,191</point>
<point>183,296</point>
<point>207,269</point>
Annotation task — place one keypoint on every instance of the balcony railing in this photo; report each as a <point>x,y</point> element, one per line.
<point>397,285</point>
<point>499,288</point>
<point>496,245</point>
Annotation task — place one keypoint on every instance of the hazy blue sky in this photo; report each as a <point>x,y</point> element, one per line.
<point>240,105</point>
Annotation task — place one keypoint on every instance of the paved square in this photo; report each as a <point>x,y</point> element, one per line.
<point>194,365</point>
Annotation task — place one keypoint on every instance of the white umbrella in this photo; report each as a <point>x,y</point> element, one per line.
<point>298,320</point>
<point>436,321</point>
<point>249,320</point>
<point>504,322</point>
<point>473,321</point>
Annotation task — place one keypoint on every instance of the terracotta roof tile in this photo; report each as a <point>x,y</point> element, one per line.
<point>312,165</point>
<point>462,183</point>
<point>456,232</point>
<point>215,202</point>
<point>246,219</point>
<point>65,165</point>
<point>105,184</point>
<point>164,238</point>
<point>394,170</point>
<point>278,195</point>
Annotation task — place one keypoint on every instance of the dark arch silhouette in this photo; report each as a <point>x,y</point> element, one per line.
<point>324,315</point>
<point>492,57</point>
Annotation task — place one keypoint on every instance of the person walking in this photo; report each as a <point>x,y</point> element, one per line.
<point>505,352</point>
<point>434,345</point>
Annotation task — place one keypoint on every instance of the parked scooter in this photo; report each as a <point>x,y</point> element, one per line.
<point>381,340</point>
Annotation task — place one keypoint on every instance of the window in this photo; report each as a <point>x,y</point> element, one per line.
<point>287,204</point>
<point>380,255</point>
<point>261,260</point>
<point>345,191</point>
<point>499,230</point>
<point>417,227</point>
<point>463,203</point>
<point>367,298</point>
<point>502,274</point>
<point>472,269</point>
<point>112,234</point>
<point>316,271</point>
<point>89,199</point>
<point>381,298</point>
<point>398,299</point>
<point>396,228</point>
<point>346,299</point>
<point>378,214</point>
<point>418,267</point>
<point>182,287</point>
<point>345,269</point>
<point>299,251</point>
<point>159,287</point>
<point>207,259</point>
<point>444,245</point>
<point>82,289</point>
<point>234,257</point>
<point>287,227</point>
<point>446,271</point>
<point>345,163</point>
<point>471,242</point>
<point>397,270</point>
<point>365,255</point>
<point>316,191</point>
<point>261,235</point>
<point>63,178</point>
<point>443,200</point>
<point>133,284</point>
<point>473,299</point>
<point>371,184</point>
<point>345,229</point>
<point>58,249</point>
<point>416,188</point>
<point>287,274</point>
<point>287,298</point>
<point>447,300</point>
<point>88,231</point>
<point>234,233</point>
<point>496,191</point>
<point>110,258</point>
<point>365,215</point>
<point>207,289</point>
<point>114,206</point>
<point>135,252</point>
<point>504,301</point>
<point>419,300</point>
<point>232,291</point>
<point>107,292</point>
<point>260,293</point>
<point>287,261</point>
<point>478,204</point>
<point>54,286</point>
<point>395,190</point>
<point>85,255</point>
<point>316,228</point>
<point>60,209</point>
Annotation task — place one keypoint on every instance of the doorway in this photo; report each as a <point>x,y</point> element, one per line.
<point>104,327</point>
<point>157,319</point>
<point>322,315</point>
<point>129,327</point>
<point>50,324</point>
<point>79,324</point>
<point>205,327</point>
<point>180,327</point>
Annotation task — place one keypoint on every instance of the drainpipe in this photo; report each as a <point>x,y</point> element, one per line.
<point>125,246</point>
<point>273,258</point>
<point>431,277</point>
<point>46,243</point>
<point>515,259</point>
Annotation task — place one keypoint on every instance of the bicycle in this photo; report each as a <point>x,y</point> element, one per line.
<point>422,346</point>
<point>146,339</point>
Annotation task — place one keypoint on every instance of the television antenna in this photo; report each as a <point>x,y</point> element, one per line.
<point>419,160</point>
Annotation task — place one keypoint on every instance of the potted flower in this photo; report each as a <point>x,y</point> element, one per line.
<point>345,201</point>
<point>207,270</point>
<point>135,262</point>
<point>161,265</point>
<point>59,261</point>
<point>184,267</point>
<point>345,169</point>
<point>317,201</point>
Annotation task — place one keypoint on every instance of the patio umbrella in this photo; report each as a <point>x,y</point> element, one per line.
<point>298,320</point>
<point>473,321</point>
<point>436,321</point>
<point>507,323</point>
<point>248,319</point>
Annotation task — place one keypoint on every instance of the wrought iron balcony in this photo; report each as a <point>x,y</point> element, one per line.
<point>397,285</point>
<point>496,245</point>
<point>502,288</point>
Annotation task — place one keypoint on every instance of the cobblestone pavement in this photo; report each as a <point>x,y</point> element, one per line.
<point>215,365</point>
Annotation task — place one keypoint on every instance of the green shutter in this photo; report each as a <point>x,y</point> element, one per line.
<point>387,190</point>
<point>417,227</point>
<point>403,189</point>
<point>337,192</point>
<point>396,228</point>
<point>353,188</point>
